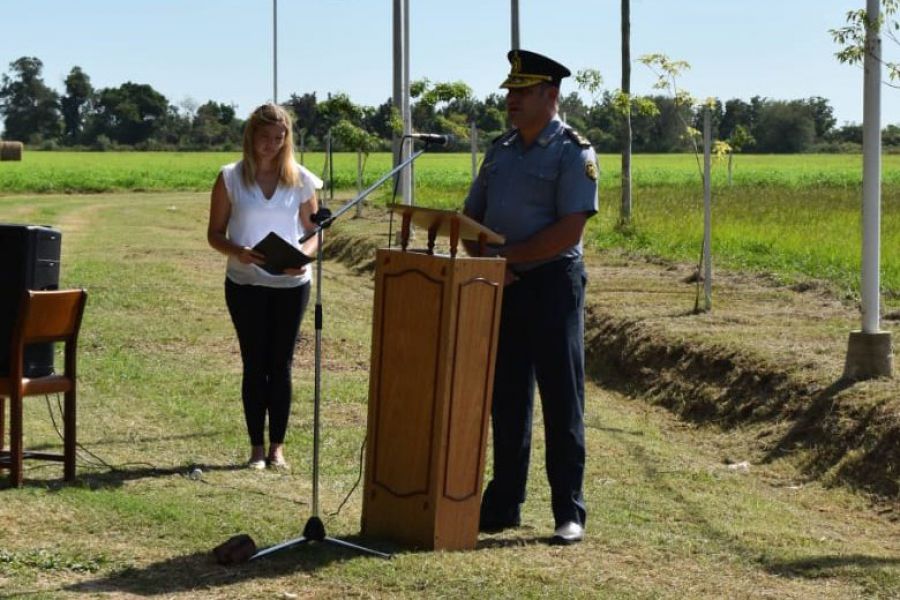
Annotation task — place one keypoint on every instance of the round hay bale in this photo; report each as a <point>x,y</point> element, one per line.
<point>11,150</point>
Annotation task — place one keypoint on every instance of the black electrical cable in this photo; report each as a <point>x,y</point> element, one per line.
<point>362,449</point>
<point>99,462</point>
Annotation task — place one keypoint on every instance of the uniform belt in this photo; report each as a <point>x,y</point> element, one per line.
<point>542,267</point>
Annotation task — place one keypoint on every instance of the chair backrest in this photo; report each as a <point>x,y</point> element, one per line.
<point>48,316</point>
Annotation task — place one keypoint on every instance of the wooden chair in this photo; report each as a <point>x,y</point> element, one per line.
<point>46,316</point>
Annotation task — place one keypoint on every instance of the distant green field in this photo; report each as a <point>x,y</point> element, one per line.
<point>793,234</point>
<point>46,172</point>
<point>795,216</point>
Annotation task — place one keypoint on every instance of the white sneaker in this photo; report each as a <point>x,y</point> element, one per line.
<point>568,533</point>
<point>256,465</point>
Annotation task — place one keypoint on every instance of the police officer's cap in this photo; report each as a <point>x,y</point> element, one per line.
<point>530,68</point>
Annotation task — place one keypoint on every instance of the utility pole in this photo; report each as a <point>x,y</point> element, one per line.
<point>514,25</point>
<point>869,352</point>
<point>400,101</point>
<point>407,174</point>
<point>274,51</point>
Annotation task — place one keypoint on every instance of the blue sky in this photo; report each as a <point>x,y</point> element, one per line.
<point>222,49</point>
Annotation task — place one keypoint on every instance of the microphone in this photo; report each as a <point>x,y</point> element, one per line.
<point>322,217</point>
<point>437,139</point>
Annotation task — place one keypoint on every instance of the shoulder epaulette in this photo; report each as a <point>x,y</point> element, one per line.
<point>505,136</point>
<point>577,137</point>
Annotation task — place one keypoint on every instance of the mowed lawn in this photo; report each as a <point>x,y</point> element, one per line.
<point>159,377</point>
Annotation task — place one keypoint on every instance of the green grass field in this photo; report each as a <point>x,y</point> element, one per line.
<point>70,172</point>
<point>159,377</point>
<point>793,216</point>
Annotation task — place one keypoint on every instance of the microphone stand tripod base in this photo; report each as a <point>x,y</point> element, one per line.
<point>314,531</point>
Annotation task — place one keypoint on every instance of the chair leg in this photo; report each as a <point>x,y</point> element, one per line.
<point>69,436</point>
<point>15,439</point>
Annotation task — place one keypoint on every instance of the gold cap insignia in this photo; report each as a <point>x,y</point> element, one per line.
<point>516,64</point>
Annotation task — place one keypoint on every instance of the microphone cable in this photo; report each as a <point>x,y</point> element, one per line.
<point>96,460</point>
<point>362,449</point>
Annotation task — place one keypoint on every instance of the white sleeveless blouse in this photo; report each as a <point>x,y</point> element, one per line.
<point>253,217</point>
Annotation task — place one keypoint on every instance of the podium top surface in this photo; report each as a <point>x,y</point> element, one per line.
<point>469,229</point>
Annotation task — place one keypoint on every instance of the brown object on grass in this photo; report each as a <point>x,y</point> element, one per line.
<point>236,549</point>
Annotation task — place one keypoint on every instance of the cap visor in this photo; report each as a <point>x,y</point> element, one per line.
<point>519,81</point>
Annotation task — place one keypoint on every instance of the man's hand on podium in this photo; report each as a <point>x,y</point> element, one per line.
<point>509,277</point>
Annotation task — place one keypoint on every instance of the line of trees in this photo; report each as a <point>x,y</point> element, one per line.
<point>137,116</point>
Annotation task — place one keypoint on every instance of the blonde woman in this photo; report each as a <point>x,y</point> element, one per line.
<point>266,191</point>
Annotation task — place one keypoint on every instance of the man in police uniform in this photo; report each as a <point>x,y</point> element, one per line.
<point>537,186</point>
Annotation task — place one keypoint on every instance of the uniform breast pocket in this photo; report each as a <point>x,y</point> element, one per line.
<point>541,182</point>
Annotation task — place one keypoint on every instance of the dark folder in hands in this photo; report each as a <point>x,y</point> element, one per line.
<point>280,255</point>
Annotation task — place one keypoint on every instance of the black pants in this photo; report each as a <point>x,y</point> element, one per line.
<point>267,321</point>
<point>542,340</point>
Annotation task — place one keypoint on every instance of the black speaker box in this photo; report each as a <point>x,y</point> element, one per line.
<point>29,260</point>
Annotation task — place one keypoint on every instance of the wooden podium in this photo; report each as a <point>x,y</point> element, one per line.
<point>434,340</point>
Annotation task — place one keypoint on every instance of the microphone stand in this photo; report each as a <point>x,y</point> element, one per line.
<point>314,530</point>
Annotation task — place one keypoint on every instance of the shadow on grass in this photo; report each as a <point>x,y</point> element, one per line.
<point>824,566</point>
<point>833,428</point>
<point>116,476</point>
<point>89,445</point>
<point>518,542</point>
<point>809,427</point>
<point>132,440</point>
<point>695,514</point>
<point>199,571</point>
<point>850,436</point>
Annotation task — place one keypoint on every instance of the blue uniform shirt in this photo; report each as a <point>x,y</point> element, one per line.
<point>519,191</point>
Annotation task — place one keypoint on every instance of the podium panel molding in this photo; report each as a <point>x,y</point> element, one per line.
<point>434,340</point>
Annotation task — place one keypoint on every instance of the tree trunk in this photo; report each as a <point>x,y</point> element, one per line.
<point>625,209</point>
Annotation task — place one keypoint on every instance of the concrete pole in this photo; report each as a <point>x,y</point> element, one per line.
<point>397,94</point>
<point>514,25</point>
<point>869,352</point>
<point>274,51</point>
<point>707,212</point>
<point>407,174</point>
<point>871,280</point>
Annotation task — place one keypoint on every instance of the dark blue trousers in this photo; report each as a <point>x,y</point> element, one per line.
<point>267,321</point>
<point>541,340</point>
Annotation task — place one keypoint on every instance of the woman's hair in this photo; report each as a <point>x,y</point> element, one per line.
<point>269,114</point>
